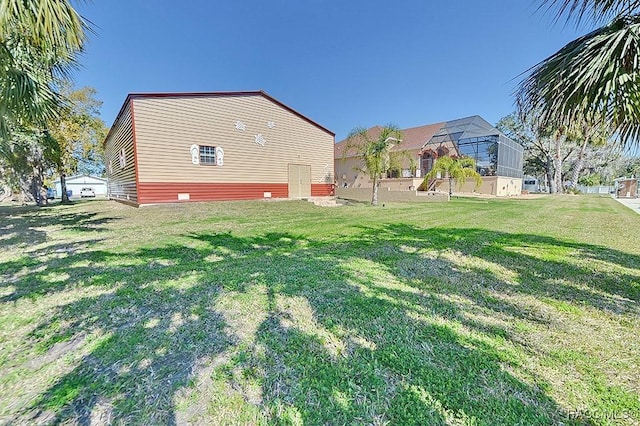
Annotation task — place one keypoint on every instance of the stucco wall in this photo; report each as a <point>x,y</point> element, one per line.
<point>347,170</point>
<point>491,185</point>
<point>385,195</point>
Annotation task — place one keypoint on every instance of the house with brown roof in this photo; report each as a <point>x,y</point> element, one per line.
<point>181,147</point>
<point>498,159</point>
<point>347,165</point>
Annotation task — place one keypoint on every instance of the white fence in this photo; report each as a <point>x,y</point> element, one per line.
<point>602,189</point>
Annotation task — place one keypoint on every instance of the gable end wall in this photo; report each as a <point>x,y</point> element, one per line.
<point>166,128</point>
<point>122,184</point>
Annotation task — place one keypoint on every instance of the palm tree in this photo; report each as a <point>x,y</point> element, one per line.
<point>595,77</point>
<point>458,169</point>
<point>39,40</point>
<point>374,152</point>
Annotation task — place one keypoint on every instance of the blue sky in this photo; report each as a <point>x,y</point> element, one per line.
<point>342,63</point>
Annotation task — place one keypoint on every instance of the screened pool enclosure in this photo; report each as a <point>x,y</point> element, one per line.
<point>495,154</point>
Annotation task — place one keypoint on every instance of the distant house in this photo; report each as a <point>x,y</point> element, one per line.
<point>498,159</point>
<point>179,147</point>
<point>531,184</point>
<point>76,183</point>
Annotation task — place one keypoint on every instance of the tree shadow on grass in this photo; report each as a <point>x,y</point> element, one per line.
<point>337,348</point>
<point>543,266</point>
<point>408,356</point>
<point>52,270</point>
<point>136,342</point>
<point>393,368</point>
<point>364,330</point>
<point>33,274</point>
<point>144,329</point>
<point>22,226</point>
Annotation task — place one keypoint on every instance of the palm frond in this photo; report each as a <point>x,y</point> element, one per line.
<point>594,78</point>
<point>373,148</point>
<point>592,10</point>
<point>50,24</point>
<point>458,169</point>
<point>39,40</point>
<point>26,95</point>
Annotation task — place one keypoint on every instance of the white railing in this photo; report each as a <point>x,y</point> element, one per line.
<point>600,189</point>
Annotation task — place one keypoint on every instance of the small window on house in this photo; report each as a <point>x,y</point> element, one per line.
<point>123,159</point>
<point>208,155</point>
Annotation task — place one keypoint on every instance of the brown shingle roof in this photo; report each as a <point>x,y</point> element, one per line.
<point>412,138</point>
<point>338,148</point>
<point>416,137</point>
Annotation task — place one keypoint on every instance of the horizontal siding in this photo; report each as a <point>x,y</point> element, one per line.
<point>321,189</point>
<point>165,192</point>
<point>121,180</point>
<point>167,127</point>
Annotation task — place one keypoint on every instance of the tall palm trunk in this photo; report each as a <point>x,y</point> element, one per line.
<point>557,162</point>
<point>374,195</point>
<point>557,175</point>
<point>6,192</point>
<point>551,183</point>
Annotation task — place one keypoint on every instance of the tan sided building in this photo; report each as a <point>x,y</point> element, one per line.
<point>178,147</point>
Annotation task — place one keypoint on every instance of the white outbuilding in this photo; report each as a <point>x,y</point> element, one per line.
<point>76,183</point>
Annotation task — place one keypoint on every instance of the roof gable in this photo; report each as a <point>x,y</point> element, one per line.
<point>132,96</point>
<point>84,178</point>
<point>416,137</point>
<point>463,128</point>
<point>413,138</point>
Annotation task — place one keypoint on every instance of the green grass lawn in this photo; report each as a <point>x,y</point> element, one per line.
<point>474,312</point>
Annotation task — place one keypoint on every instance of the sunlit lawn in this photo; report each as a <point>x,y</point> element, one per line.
<point>471,312</point>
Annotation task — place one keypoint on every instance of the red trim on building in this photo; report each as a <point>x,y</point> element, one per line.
<point>124,201</point>
<point>321,189</point>
<point>135,150</point>
<point>151,193</point>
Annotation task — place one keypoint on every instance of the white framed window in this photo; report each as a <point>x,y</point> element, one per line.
<point>123,159</point>
<point>208,155</point>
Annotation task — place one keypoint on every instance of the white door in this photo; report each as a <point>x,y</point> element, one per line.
<point>299,180</point>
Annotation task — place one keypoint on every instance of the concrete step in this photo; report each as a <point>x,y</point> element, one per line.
<point>325,201</point>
